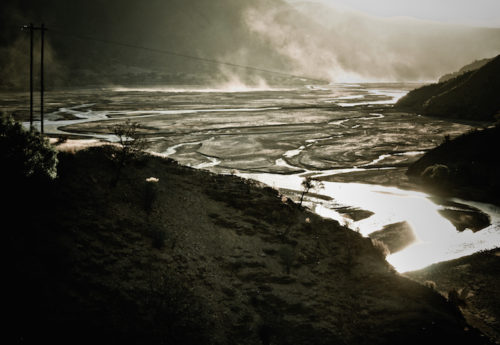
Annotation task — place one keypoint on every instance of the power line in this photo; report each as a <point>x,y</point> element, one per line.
<point>187,56</point>
<point>42,30</point>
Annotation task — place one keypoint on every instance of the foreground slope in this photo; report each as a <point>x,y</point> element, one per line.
<point>476,277</point>
<point>198,258</point>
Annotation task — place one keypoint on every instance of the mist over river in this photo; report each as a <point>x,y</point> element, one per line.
<point>344,134</point>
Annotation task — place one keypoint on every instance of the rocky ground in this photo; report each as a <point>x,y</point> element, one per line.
<point>476,278</point>
<point>190,257</point>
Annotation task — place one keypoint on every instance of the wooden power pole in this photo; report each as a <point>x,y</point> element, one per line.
<point>31,75</point>
<point>42,29</point>
<point>31,28</point>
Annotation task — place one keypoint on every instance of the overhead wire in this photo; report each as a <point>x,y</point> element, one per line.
<point>183,55</point>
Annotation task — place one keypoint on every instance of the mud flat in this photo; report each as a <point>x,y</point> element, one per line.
<point>289,135</point>
<point>346,134</point>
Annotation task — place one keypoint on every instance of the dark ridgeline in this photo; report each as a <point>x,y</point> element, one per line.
<point>472,95</point>
<point>470,67</point>
<point>467,166</point>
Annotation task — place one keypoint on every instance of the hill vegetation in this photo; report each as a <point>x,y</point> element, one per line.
<point>467,68</point>
<point>475,278</point>
<point>472,95</point>
<point>172,255</point>
<point>467,166</point>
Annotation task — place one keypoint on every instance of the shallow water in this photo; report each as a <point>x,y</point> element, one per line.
<point>278,136</point>
<point>437,238</point>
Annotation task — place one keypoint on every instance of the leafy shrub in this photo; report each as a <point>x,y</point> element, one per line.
<point>430,284</point>
<point>436,173</point>
<point>25,154</point>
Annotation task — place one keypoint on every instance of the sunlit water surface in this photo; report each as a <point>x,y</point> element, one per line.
<point>437,238</point>
<point>317,119</point>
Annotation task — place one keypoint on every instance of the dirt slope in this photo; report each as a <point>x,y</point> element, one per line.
<point>197,258</point>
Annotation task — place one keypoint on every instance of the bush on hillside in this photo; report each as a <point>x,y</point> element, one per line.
<point>437,173</point>
<point>130,143</point>
<point>24,153</point>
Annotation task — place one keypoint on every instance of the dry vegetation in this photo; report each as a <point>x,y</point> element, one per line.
<point>199,258</point>
<point>475,278</point>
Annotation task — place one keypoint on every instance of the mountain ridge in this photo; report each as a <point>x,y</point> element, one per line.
<point>472,95</point>
<point>318,43</point>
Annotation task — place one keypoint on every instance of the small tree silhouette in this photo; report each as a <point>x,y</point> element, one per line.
<point>130,143</point>
<point>308,184</point>
<point>129,138</point>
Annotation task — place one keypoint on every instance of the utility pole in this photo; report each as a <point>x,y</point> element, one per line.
<point>31,28</point>
<point>42,28</point>
<point>31,75</point>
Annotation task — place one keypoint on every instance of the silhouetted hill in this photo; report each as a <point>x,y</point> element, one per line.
<point>468,166</point>
<point>472,95</point>
<point>470,67</point>
<point>195,258</point>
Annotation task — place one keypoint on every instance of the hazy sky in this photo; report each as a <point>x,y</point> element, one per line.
<point>468,12</point>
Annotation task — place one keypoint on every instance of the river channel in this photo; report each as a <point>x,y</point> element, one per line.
<point>281,136</point>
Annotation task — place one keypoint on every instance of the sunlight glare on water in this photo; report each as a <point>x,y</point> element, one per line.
<point>437,238</point>
<point>287,132</point>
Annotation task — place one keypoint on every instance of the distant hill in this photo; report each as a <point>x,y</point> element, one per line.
<point>470,67</point>
<point>303,39</point>
<point>473,95</point>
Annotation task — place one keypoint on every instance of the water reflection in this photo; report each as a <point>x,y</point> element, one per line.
<point>292,131</point>
<point>436,237</point>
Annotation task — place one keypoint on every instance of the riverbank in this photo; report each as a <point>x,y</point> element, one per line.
<point>476,278</point>
<point>170,254</point>
<point>466,166</point>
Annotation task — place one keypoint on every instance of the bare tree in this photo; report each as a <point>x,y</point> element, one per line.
<point>308,184</point>
<point>130,143</point>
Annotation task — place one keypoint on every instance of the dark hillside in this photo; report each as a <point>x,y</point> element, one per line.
<point>173,255</point>
<point>467,68</point>
<point>416,99</point>
<point>476,277</point>
<point>467,165</point>
<point>471,96</point>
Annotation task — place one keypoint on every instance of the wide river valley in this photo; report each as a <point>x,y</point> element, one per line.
<point>346,135</point>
